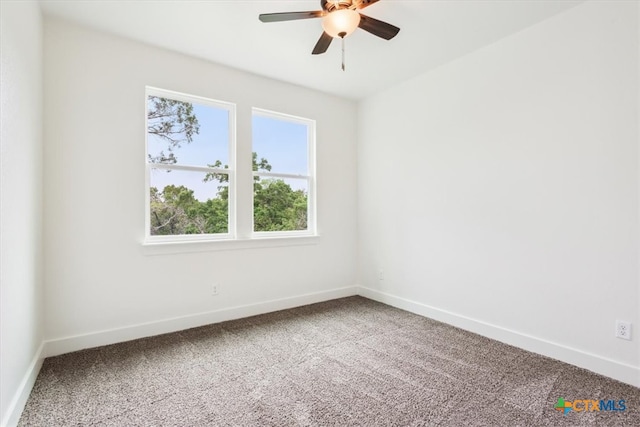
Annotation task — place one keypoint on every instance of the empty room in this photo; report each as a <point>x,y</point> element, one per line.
<point>320,213</point>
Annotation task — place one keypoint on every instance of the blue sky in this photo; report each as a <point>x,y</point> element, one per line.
<point>282,143</point>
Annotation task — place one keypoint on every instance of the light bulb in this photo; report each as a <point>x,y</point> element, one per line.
<point>341,23</point>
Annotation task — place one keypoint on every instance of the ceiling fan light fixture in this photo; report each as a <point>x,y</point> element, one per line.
<point>341,23</point>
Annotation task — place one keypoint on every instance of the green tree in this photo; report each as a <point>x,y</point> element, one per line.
<point>173,122</point>
<point>175,210</point>
<point>215,215</point>
<point>169,209</point>
<point>277,207</point>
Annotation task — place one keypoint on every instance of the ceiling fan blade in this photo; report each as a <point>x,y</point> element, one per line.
<point>323,44</point>
<point>290,16</point>
<point>365,3</point>
<point>378,28</point>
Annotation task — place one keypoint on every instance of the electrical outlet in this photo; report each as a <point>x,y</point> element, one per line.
<point>623,329</point>
<point>381,274</point>
<point>215,289</point>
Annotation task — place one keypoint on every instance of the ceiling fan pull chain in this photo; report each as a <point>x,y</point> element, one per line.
<point>343,68</point>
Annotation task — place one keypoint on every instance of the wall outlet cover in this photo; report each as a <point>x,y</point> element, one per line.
<point>623,329</point>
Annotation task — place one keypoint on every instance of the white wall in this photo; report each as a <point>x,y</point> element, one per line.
<point>500,192</point>
<point>20,203</point>
<point>98,275</point>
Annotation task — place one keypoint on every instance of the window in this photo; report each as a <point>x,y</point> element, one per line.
<point>283,166</point>
<point>190,184</point>
<point>192,166</point>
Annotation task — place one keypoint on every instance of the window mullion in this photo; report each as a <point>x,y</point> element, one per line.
<point>244,177</point>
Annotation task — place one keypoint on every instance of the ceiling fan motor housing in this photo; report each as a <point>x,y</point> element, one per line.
<point>331,5</point>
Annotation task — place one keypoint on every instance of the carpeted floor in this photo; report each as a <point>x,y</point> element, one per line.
<point>348,362</point>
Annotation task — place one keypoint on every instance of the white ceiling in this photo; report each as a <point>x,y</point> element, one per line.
<point>229,32</point>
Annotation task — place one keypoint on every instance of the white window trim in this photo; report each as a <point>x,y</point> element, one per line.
<point>189,246</point>
<point>310,178</point>
<point>231,220</point>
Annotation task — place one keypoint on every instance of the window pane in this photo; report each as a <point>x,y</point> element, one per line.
<point>187,202</point>
<point>282,144</point>
<point>279,204</point>
<point>186,133</point>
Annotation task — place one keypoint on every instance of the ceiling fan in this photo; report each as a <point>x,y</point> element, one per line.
<point>339,19</point>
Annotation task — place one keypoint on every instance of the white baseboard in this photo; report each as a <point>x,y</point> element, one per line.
<point>16,406</point>
<point>622,372</point>
<point>59,346</point>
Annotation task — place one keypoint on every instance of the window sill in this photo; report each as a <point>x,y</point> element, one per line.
<point>177,247</point>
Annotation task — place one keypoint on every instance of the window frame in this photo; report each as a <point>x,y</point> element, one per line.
<point>231,171</point>
<point>310,177</point>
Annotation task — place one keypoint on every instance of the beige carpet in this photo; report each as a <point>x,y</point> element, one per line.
<point>348,362</point>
